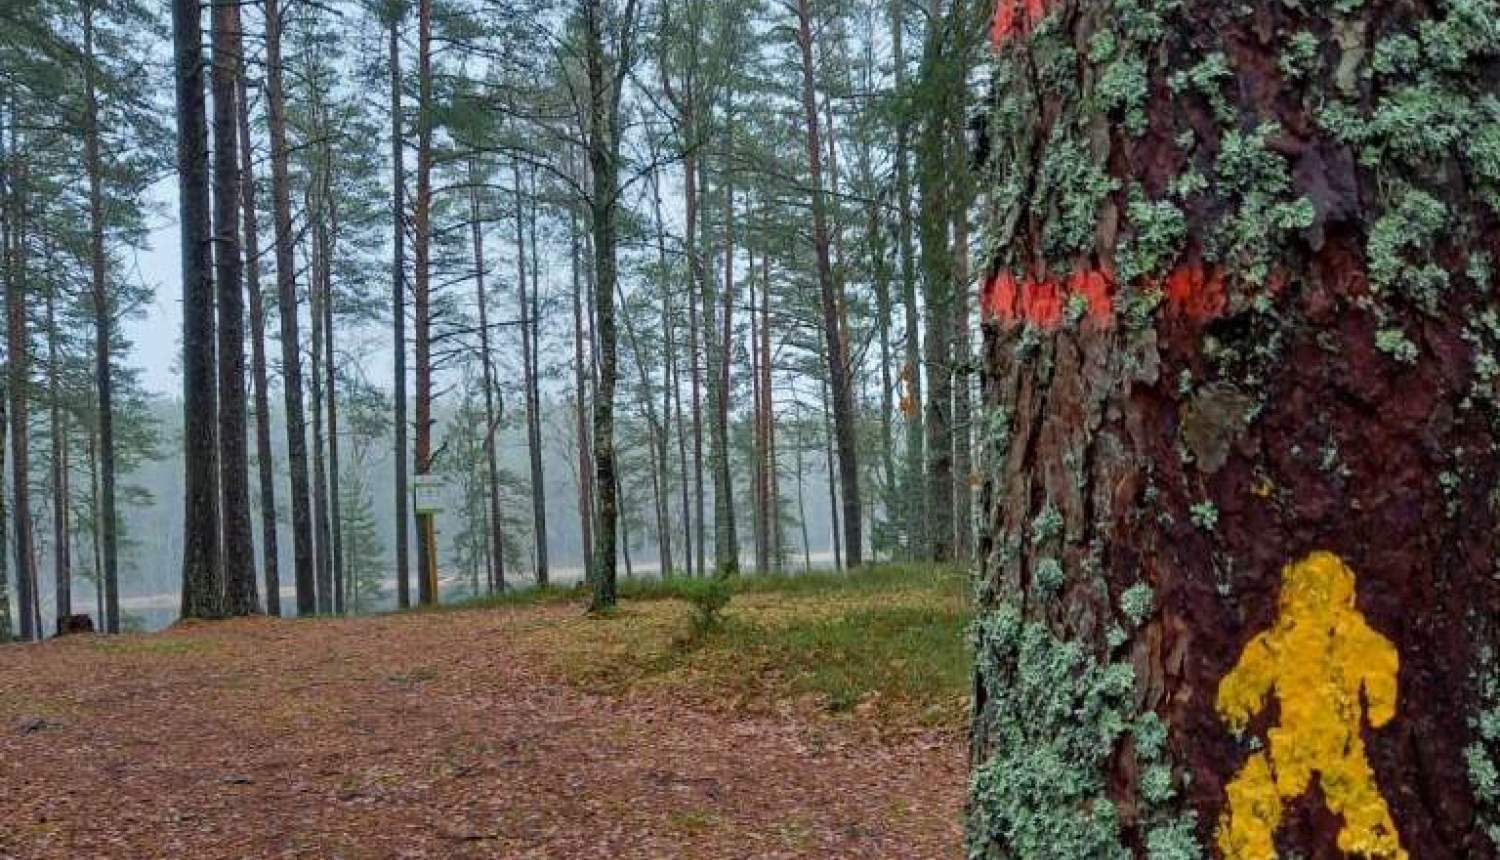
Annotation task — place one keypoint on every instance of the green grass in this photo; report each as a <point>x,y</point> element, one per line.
<point>916,656</point>
<point>886,640</point>
<point>876,578</point>
<point>529,595</point>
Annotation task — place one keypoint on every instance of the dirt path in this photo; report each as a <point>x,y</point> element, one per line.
<point>425,736</point>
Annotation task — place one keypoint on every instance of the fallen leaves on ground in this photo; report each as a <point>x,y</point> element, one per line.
<point>434,735</point>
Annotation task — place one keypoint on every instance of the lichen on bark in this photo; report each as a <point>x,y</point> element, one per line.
<point>1294,208</point>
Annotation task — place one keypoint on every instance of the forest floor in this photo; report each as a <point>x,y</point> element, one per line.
<point>821,717</point>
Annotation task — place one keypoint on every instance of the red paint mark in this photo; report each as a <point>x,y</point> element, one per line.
<point>1015,16</point>
<point>999,299</point>
<point>1096,286</point>
<point>1043,302</point>
<point>1194,292</point>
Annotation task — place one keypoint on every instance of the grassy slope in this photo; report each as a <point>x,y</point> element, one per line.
<point>886,643</point>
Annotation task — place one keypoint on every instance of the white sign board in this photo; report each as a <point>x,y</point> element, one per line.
<point>428,491</point>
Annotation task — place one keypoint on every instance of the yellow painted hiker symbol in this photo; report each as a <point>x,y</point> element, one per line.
<point>1329,671</point>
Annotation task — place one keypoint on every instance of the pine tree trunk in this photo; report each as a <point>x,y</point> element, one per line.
<point>62,557</point>
<point>697,278</point>
<point>317,294</point>
<point>202,573</point>
<point>264,457</point>
<point>656,442</point>
<point>96,539</point>
<point>760,521</point>
<point>662,428</point>
<point>529,332</point>
<point>422,221</point>
<point>963,355</point>
<point>914,475</point>
<point>881,276</point>
<point>830,457</point>
<point>18,371</point>
<point>487,377</point>
<point>291,348</point>
<point>772,499</point>
<point>8,275</point>
<point>802,500</point>
<point>672,389</point>
<point>1237,566</point>
<point>831,301</point>
<point>604,156</point>
<point>330,365</point>
<point>105,528</point>
<point>240,596</point>
<point>726,536</point>
<point>935,94</point>
<point>580,402</point>
<point>7,632</point>
<point>536,341</point>
<point>398,321</point>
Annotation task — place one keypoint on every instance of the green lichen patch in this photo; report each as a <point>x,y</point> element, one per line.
<point>1483,754</point>
<point>1138,602</point>
<point>1052,717</point>
<point>1253,234</point>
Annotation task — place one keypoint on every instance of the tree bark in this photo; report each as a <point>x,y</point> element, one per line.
<point>536,319</point>
<point>291,350</point>
<point>18,372</point>
<point>1237,563</point>
<point>108,571</point>
<point>487,377</point>
<point>240,596</point>
<point>202,573</point>
<point>264,456</point>
<point>91,451</point>
<point>696,280</point>
<point>936,91</point>
<point>330,365</point>
<point>914,475</point>
<point>672,388</point>
<point>726,533</point>
<point>398,319</point>
<point>831,303</point>
<point>317,295</point>
<point>580,412</point>
<point>801,496</point>
<point>963,353</point>
<point>422,221</point>
<point>62,556</point>
<point>606,81</point>
<point>759,495</point>
<point>529,332</point>
<point>8,273</point>
<point>661,429</point>
<point>772,499</point>
<point>7,632</point>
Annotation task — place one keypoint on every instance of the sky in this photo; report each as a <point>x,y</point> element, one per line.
<point>156,337</point>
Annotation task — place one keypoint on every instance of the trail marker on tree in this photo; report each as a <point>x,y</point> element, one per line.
<point>427,494</point>
<point>1329,671</point>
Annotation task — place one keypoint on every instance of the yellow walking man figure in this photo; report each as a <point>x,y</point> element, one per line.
<point>1330,671</point>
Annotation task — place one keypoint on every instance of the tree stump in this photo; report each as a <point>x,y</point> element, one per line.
<point>71,624</point>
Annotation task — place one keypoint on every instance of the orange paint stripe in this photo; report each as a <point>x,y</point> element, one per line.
<point>1193,292</point>
<point>1015,16</point>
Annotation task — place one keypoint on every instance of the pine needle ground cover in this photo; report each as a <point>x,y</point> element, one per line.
<point>814,717</point>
